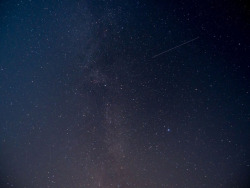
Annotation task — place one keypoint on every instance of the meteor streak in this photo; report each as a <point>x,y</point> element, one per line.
<point>175,47</point>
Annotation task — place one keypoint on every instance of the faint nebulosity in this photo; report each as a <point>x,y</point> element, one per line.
<point>111,93</point>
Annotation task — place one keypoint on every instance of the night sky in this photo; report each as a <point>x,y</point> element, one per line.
<point>115,93</point>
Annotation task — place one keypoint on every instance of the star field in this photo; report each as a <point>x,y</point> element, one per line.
<point>123,94</point>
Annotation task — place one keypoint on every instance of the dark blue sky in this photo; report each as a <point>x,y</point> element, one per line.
<point>84,104</point>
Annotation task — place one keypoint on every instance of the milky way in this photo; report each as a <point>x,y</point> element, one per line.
<point>84,104</point>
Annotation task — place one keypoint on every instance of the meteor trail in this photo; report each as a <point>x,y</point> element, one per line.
<point>175,47</point>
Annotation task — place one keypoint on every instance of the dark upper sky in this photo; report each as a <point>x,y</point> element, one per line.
<point>84,104</point>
